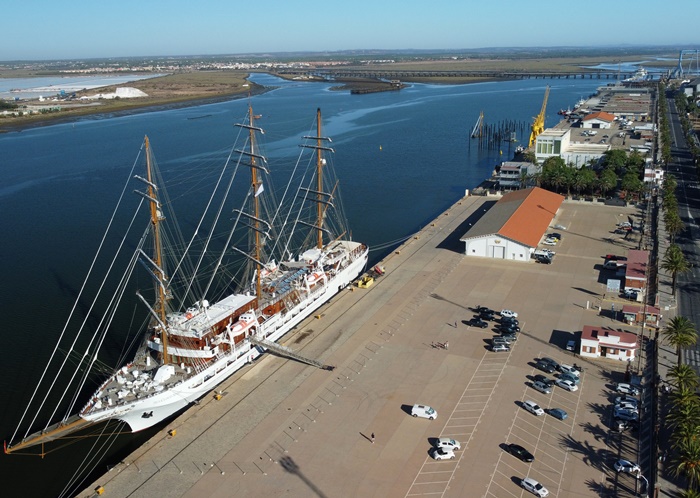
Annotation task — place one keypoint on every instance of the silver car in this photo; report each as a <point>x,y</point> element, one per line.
<point>534,487</point>
<point>542,387</point>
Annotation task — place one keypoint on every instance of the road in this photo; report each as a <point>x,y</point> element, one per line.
<point>688,195</point>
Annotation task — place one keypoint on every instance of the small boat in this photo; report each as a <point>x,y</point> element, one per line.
<point>296,258</point>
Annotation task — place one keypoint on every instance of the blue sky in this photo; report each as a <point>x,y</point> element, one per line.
<point>49,29</point>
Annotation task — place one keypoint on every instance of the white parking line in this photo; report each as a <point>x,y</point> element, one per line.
<point>469,393</point>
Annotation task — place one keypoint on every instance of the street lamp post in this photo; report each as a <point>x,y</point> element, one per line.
<point>646,486</point>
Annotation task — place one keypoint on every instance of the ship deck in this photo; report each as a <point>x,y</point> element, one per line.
<point>286,428</point>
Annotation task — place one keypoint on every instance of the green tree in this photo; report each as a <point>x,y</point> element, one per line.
<point>616,160</point>
<point>635,162</point>
<point>584,179</point>
<point>687,462</point>
<point>675,263</point>
<point>607,181</point>
<point>554,175</point>
<point>690,493</point>
<point>631,184</point>
<point>684,377</point>
<point>680,332</point>
<point>674,224</point>
<point>530,157</point>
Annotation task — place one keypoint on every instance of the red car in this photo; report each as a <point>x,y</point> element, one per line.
<point>613,257</point>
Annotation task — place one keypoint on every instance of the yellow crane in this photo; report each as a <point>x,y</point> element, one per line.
<point>538,123</point>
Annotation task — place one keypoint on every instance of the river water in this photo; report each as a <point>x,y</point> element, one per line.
<point>402,158</point>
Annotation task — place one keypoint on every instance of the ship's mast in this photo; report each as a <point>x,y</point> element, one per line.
<point>319,180</point>
<point>156,218</point>
<point>255,184</point>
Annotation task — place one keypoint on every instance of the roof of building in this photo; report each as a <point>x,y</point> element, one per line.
<point>617,338</point>
<point>603,116</point>
<point>637,264</point>
<point>637,308</point>
<point>522,216</point>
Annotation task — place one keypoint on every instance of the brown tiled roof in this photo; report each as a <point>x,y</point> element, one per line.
<point>604,116</point>
<point>536,211</point>
<point>637,264</point>
<point>522,216</point>
<point>634,308</point>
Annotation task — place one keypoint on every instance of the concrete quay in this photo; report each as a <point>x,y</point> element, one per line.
<point>285,428</point>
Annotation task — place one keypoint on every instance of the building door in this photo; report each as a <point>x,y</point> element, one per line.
<point>499,252</point>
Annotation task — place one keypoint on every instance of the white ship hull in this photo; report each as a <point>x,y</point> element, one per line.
<point>151,409</point>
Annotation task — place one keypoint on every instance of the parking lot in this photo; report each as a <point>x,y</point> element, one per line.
<point>286,428</point>
<point>574,456</point>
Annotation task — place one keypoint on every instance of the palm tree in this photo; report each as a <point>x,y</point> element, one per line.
<point>687,463</point>
<point>690,493</point>
<point>680,333</point>
<point>674,224</point>
<point>607,181</point>
<point>684,377</point>
<point>684,418</point>
<point>675,263</point>
<point>529,157</point>
<point>684,430</point>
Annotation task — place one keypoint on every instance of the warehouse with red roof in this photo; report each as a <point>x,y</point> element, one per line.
<point>514,225</point>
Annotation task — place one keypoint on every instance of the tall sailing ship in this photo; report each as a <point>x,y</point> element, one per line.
<point>192,342</point>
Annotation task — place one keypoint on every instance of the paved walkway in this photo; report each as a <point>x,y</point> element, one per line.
<point>666,483</point>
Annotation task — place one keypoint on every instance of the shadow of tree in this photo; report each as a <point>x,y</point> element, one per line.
<point>598,408</point>
<point>598,458</point>
<point>598,432</point>
<point>599,488</point>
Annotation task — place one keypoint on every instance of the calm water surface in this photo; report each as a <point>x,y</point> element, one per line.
<point>403,157</point>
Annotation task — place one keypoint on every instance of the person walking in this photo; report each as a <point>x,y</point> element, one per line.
<point>372,438</point>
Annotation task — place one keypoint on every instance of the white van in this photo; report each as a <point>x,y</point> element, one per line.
<point>424,411</point>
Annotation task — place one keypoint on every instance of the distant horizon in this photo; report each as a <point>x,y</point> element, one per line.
<point>44,30</point>
<point>610,50</point>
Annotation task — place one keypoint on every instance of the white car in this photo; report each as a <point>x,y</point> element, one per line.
<point>631,407</point>
<point>442,454</point>
<point>534,487</point>
<point>549,242</point>
<point>448,443</point>
<point>624,388</point>
<point>533,408</point>
<point>424,411</point>
<point>567,384</point>
<point>509,314</point>
<point>500,348</point>
<point>626,399</point>
<point>628,415</point>
<point>627,466</point>
<point>569,369</point>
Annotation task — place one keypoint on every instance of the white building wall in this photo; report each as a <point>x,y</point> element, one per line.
<point>600,124</point>
<point>496,247</point>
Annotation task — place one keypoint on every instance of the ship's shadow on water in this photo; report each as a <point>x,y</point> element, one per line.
<point>452,241</point>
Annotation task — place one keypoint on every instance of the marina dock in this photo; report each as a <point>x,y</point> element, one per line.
<point>282,427</point>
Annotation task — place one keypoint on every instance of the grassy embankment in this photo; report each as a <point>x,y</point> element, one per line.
<point>165,91</point>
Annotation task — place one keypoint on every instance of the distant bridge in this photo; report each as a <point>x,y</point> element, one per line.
<point>393,74</point>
